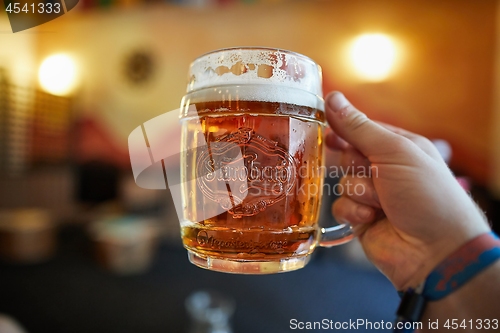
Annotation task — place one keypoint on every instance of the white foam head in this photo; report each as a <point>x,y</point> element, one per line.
<point>264,74</point>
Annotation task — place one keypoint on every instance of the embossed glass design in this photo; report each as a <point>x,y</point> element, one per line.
<point>252,159</point>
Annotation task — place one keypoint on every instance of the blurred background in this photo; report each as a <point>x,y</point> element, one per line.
<point>83,249</point>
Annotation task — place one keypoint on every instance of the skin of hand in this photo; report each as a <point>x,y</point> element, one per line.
<point>412,213</point>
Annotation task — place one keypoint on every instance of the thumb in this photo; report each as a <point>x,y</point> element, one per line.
<point>357,129</point>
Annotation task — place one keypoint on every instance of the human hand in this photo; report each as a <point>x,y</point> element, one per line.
<point>412,213</point>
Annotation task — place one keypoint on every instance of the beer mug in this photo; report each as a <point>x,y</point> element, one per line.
<point>252,169</point>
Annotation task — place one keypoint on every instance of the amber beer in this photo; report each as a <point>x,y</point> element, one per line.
<point>282,154</point>
<point>251,161</point>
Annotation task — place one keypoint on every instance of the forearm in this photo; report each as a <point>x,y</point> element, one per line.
<point>477,300</point>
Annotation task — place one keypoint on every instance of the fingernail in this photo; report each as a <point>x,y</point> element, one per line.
<point>363,212</point>
<point>337,101</point>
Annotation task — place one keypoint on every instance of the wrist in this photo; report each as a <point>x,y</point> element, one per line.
<point>441,277</point>
<point>432,255</point>
<point>440,249</point>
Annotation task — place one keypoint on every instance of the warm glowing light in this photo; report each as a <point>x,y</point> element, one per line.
<point>57,75</point>
<point>213,128</point>
<point>373,56</point>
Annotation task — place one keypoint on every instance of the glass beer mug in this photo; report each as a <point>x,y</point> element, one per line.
<point>252,167</point>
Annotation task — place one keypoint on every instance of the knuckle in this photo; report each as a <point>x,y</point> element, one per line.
<point>402,145</point>
<point>422,142</point>
<point>356,120</point>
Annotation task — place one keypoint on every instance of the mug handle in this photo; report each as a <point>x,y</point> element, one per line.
<point>336,235</point>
